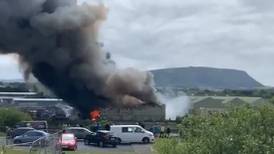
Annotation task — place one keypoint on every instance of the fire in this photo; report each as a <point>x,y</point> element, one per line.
<point>95,115</point>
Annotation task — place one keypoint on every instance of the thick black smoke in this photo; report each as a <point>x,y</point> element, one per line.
<point>57,43</point>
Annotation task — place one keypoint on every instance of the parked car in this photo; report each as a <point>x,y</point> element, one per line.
<point>39,125</point>
<point>156,130</point>
<point>68,141</point>
<point>101,138</point>
<point>18,131</point>
<point>79,132</point>
<point>30,136</point>
<point>132,134</point>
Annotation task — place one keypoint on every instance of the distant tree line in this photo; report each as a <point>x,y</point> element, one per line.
<point>264,93</point>
<point>13,87</point>
<point>9,117</point>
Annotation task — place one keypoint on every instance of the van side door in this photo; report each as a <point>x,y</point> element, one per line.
<point>128,134</point>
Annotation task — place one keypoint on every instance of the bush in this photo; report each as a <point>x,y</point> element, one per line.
<point>240,131</point>
<point>10,117</point>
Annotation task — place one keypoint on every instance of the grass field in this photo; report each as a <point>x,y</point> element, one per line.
<point>85,152</point>
<point>12,151</point>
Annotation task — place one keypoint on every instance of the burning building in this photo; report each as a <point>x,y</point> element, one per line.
<point>56,42</point>
<point>95,115</point>
<point>144,113</point>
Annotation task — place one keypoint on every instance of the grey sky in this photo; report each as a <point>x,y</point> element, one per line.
<point>150,34</point>
<point>9,67</point>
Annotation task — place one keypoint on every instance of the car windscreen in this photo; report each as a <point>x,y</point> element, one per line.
<point>21,131</point>
<point>67,137</point>
<point>30,133</point>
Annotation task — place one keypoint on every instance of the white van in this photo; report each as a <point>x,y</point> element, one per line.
<point>131,134</point>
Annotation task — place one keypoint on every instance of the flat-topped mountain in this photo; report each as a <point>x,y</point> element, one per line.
<point>204,78</point>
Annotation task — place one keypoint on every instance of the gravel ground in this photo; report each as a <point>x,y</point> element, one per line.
<point>91,149</point>
<point>120,149</point>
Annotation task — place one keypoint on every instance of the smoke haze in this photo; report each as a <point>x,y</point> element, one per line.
<point>57,43</point>
<point>175,106</point>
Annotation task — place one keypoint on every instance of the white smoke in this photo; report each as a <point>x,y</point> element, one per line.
<point>175,106</point>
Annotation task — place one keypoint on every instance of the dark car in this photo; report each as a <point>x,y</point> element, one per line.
<point>79,132</point>
<point>39,125</point>
<point>19,131</point>
<point>102,138</point>
<point>30,136</point>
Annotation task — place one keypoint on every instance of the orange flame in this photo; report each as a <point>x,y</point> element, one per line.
<point>95,115</point>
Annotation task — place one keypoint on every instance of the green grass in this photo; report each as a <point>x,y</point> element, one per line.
<point>79,152</point>
<point>12,151</point>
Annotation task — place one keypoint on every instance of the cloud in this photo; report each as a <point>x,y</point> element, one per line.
<point>9,68</point>
<point>217,33</point>
<point>259,5</point>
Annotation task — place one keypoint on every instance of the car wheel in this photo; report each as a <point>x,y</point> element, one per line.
<point>101,144</point>
<point>145,140</point>
<point>86,142</point>
<point>119,141</point>
<point>114,145</point>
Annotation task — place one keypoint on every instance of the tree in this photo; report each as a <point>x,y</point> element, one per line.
<point>242,130</point>
<point>10,117</point>
<point>272,100</point>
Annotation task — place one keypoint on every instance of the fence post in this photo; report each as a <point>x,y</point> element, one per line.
<point>3,149</point>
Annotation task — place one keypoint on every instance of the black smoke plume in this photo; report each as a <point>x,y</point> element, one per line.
<point>57,43</point>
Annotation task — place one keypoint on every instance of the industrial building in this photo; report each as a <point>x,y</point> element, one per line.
<point>139,114</point>
<point>37,106</point>
<point>205,105</point>
<point>45,108</point>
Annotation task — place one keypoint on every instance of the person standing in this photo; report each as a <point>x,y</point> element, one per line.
<point>168,132</point>
<point>162,133</point>
<point>107,127</point>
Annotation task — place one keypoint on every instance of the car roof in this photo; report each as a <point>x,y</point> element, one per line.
<point>36,121</point>
<point>38,131</point>
<point>125,126</point>
<point>76,128</point>
<point>30,128</point>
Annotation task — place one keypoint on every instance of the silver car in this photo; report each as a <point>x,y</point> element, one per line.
<point>30,136</point>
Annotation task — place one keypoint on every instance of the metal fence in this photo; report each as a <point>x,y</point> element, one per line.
<point>7,146</point>
<point>3,144</point>
<point>46,145</point>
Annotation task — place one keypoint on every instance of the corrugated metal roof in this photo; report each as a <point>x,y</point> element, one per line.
<point>37,99</point>
<point>18,93</point>
<point>227,99</point>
